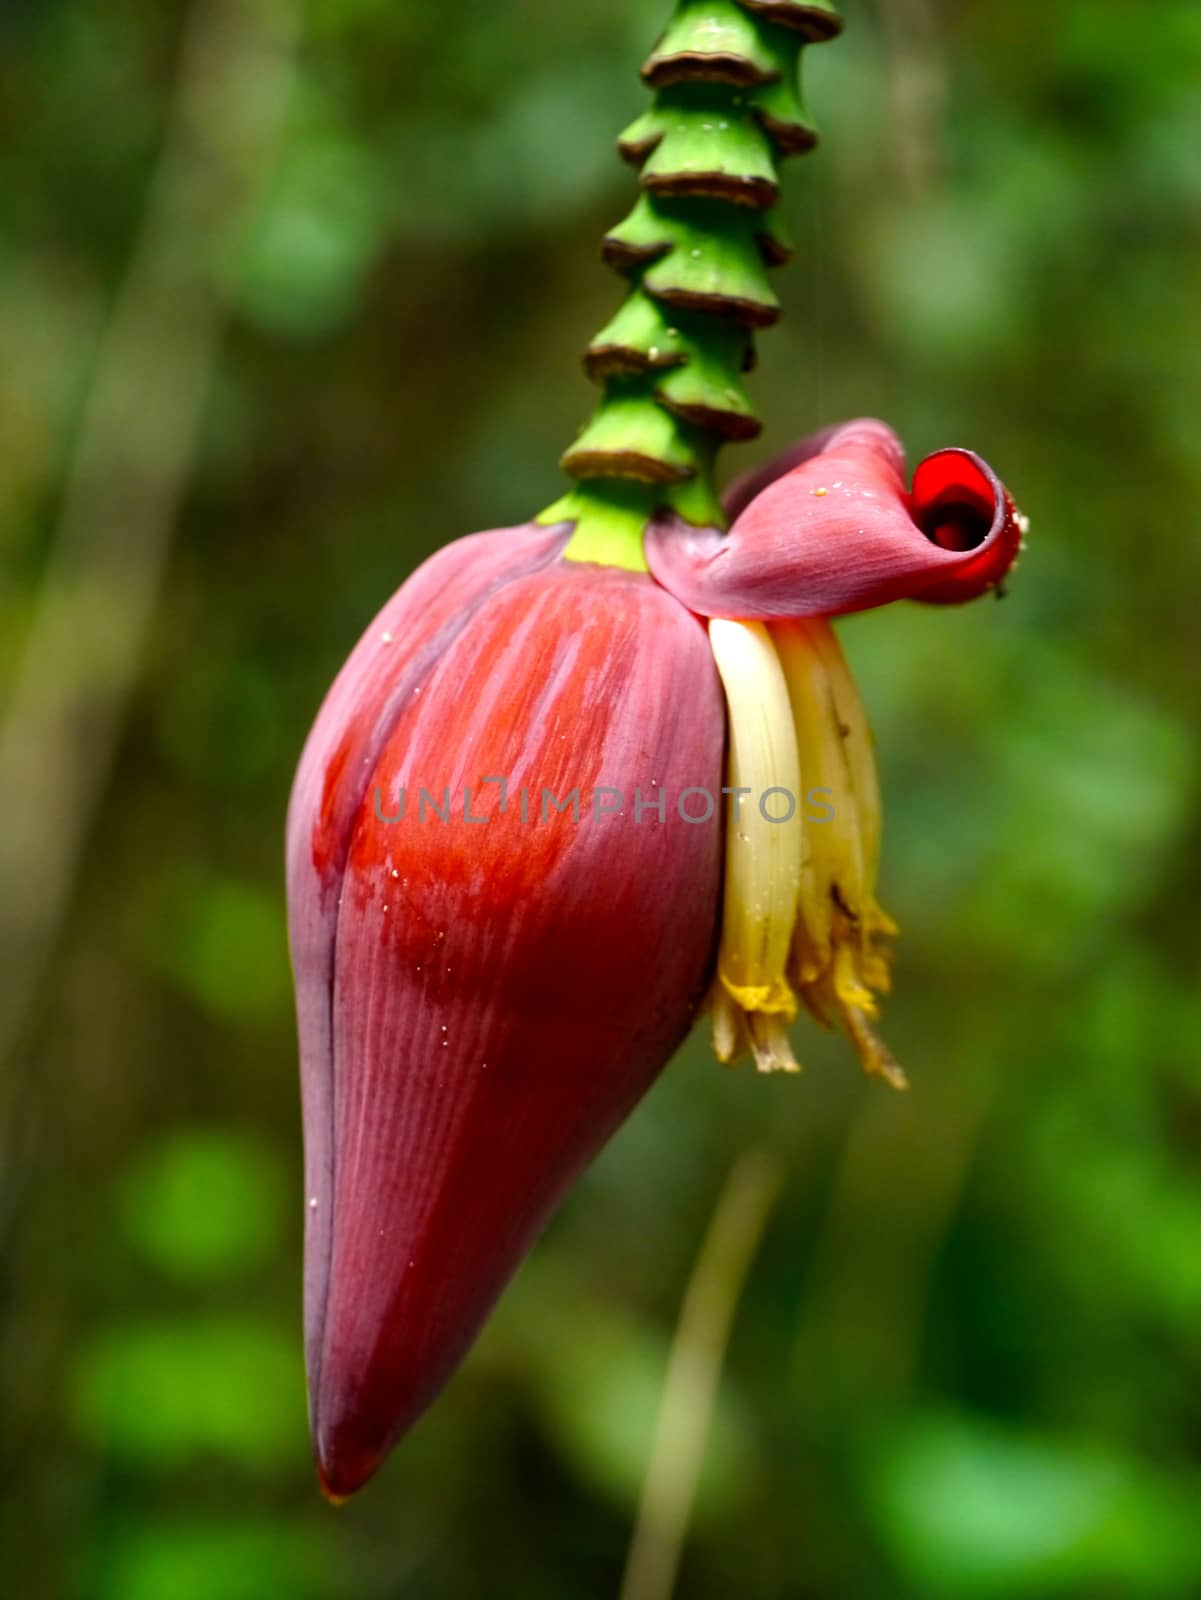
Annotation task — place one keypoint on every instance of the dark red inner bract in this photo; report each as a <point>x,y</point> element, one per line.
<point>954,501</point>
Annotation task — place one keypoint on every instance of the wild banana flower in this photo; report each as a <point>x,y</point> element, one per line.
<point>584,778</point>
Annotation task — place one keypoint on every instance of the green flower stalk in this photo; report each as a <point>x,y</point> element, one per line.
<point>696,249</point>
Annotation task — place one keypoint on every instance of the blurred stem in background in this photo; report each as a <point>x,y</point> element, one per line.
<point>126,482</point>
<point>918,92</point>
<point>693,1374</point>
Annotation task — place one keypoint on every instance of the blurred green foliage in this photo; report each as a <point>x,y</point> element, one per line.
<point>968,1361</point>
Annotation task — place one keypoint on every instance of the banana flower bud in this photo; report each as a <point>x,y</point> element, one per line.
<point>548,811</point>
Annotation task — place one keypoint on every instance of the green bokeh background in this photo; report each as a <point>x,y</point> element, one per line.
<point>967,1362</point>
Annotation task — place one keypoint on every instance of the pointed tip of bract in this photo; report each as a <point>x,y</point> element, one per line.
<point>346,1456</point>
<point>340,1477</point>
<point>335,1500</point>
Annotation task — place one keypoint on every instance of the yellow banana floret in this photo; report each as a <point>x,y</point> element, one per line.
<point>799,914</point>
<point>837,958</point>
<point>754,1000</point>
